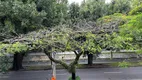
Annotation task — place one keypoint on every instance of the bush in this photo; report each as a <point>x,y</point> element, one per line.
<point>124,64</point>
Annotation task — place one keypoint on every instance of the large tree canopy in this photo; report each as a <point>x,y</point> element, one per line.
<point>54,40</point>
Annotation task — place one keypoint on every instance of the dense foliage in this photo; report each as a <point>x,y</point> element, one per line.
<point>22,16</point>
<point>17,17</point>
<point>136,10</point>
<point>133,30</point>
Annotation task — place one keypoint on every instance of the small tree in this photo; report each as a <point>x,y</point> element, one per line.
<point>78,42</point>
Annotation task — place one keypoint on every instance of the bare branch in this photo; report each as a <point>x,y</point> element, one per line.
<point>76,53</point>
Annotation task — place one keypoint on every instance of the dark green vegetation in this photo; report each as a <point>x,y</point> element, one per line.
<point>54,26</point>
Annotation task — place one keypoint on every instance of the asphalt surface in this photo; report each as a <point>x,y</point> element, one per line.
<point>132,73</point>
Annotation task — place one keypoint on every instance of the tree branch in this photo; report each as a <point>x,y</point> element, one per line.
<point>76,59</point>
<point>75,53</point>
<point>54,60</point>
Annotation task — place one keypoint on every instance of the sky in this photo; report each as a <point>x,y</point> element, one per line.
<point>79,1</point>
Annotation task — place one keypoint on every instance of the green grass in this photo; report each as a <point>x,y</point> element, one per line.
<point>126,64</point>
<point>77,78</point>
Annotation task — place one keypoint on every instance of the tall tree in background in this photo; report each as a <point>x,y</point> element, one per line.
<point>93,9</point>
<point>136,3</point>
<point>17,17</point>
<point>49,6</point>
<point>55,11</point>
<point>119,6</point>
<point>74,12</point>
<point>61,12</point>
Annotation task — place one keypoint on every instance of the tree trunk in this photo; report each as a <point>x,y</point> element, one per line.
<point>73,76</point>
<point>90,59</point>
<point>17,62</point>
<point>73,72</point>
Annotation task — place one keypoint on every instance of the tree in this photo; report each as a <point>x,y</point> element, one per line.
<point>78,42</point>
<point>60,40</point>
<point>56,11</point>
<point>17,18</point>
<point>61,12</point>
<point>74,13</point>
<point>49,6</point>
<point>93,9</point>
<point>119,6</point>
<point>18,49</point>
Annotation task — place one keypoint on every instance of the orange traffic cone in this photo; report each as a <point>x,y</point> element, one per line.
<point>53,78</point>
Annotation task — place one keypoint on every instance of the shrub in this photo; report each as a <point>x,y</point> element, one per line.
<point>124,64</point>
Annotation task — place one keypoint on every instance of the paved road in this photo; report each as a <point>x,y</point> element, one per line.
<point>133,73</point>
